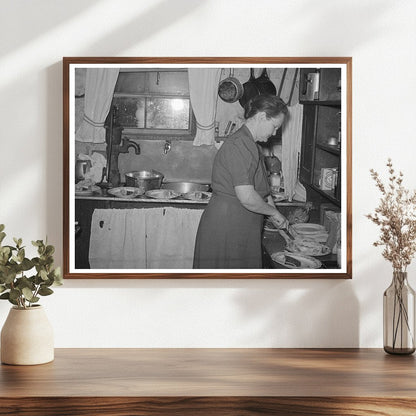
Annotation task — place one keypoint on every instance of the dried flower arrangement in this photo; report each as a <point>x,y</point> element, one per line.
<point>396,216</point>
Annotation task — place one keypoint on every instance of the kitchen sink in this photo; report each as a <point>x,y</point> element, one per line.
<point>185,187</point>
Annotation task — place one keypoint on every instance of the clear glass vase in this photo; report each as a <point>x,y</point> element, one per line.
<point>399,316</point>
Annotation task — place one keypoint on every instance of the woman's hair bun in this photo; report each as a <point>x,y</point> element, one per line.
<point>269,104</point>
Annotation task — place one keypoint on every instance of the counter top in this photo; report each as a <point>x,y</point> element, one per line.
<point>212,381</point>
<point>102,195</point>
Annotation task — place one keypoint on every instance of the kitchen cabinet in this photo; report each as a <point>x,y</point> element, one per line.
<point>320,169</point>
<point>320,85</point>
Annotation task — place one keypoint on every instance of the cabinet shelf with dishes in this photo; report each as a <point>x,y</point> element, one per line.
<point>329,148</point>
<point>321,134</point>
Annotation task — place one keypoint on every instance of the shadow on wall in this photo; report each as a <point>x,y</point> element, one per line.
<point>224,313</point>
<point>130,33</point>
<point>42,16</point>
<point>304,313</point>
<point>337,18</point>
<point>147,24</point>
<point>4,311</point>
<point>301,314</point>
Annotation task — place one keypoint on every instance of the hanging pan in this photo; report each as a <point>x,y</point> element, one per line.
<point>230,89</point>
<point>250,89</point>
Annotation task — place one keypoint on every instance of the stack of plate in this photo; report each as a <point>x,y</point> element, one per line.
<point>162,194</point>
<point>197,196</point>
<point>309,239</point>
<point>86,190</point>
<point>310,231</point>
<point>307,247</point>
<point>296,261</point>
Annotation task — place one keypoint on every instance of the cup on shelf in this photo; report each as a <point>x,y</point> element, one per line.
<point>332,141</point>
<point>328,179</point>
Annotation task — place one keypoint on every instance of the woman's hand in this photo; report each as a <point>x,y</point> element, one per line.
<point>279,220</point>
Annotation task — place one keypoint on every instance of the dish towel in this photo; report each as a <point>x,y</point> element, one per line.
<point>148,238</point>
<point>118,239</point>
<point>171,234</point>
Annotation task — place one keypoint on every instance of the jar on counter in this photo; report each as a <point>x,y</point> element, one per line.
<point>275,180</point>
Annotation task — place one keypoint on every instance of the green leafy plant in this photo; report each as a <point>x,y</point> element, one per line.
<point>15,284</point>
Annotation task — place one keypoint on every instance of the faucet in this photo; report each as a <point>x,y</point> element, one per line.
<point>167,147</point>
<point>116,144</point>
<point>119,145</point>
<point>126,144</point>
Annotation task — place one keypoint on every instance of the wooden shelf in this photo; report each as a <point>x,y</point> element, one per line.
<point>212,381</point>
<point>330,149</point>
<point>326,194</point>
<point>335,103</point>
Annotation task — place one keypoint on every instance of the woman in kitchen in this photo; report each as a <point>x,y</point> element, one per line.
<point>229,233</point>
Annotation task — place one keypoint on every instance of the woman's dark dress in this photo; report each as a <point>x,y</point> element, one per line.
<point>229,235</point>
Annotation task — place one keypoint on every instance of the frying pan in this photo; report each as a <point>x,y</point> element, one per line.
<point>250,89</point>
<point>264,85</point>
<point>230,89</point>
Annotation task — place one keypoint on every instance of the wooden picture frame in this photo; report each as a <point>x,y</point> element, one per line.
<point>325,155</point>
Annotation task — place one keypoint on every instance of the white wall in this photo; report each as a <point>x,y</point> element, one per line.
<point>380,36</point>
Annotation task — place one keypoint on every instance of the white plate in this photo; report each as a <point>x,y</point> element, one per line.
<point>306,262</point>
<point>306,228</point>
<point>268,226</point>
<point>197,196</point>
<point>317,250</point>
<point>281,196</point>
<point>272,230</point>
<point>85,190</point>
<point>162,194</point>
<point>126,192</point>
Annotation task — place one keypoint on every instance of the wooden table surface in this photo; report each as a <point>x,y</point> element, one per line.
<point>212,382</point>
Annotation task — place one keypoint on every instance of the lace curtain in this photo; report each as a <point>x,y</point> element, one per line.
<point>99,89</point>
<point>203,88</point>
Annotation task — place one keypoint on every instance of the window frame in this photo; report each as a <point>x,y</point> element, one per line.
<point>159,134</point>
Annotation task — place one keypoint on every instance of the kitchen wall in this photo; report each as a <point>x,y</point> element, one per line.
<point>380,36</point>
<point>185,162</point>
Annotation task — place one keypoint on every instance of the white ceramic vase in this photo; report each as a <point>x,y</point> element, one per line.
<point>27,337</point>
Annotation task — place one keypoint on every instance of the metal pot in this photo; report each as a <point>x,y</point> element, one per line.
<point>185,187</point>
<point>82,167</point>
<point>230,89</point>
<point>145,179</point>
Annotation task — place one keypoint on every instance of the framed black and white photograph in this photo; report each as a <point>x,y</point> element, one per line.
<point>207,167</point>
